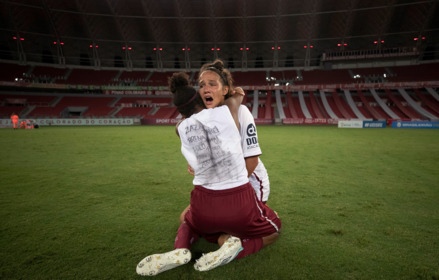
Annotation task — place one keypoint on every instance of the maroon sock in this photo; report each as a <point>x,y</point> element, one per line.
<point>185,237</point>
<point>250,246</point>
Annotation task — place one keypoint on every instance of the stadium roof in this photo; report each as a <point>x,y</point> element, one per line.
<point>159,34</point>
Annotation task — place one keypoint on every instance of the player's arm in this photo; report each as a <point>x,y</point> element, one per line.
<point>176,127</point>
<point>233,103</point>
<point>250,164</point>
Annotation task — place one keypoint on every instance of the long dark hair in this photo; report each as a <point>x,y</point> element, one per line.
<point>185,97</point>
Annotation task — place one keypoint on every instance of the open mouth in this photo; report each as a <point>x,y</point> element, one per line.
<point>209,100</point>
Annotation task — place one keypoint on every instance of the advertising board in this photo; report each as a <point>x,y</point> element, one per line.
<point>350,124</point>
<point>418,125</point>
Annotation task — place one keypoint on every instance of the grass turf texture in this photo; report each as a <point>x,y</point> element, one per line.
<point>91,202</point>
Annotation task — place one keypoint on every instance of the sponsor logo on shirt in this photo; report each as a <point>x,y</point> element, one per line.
<point>251,130</point>
<point>252,140</point>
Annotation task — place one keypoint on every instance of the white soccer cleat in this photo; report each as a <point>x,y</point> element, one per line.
<point>155,264</point>
<point>222,256</point>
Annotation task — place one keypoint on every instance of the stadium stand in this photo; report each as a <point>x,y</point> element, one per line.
<point>309,107</point>
<point>268,108</point>
<point>159,106</point>
<point>365,109</point>
<point>407,111</point>
<point>9,72</point>
<point>261,112</point>
<point>134,111</point>
<point>286,108</point>
<point>340,107</point>
<point>381,112</point>
<point>298,109</point>
<point>334,107</point>
<point>157,79</point>
<point>318,77</point>
<point>134,76</point>
<point>35,100</point>
<point>164,113</point>
<point>428,102</point>
<point>315,106</point>
<point>254,78</point>
<point>152,100</point>
<point>97,106</point>
<point>6,111</point>
<point>278,75</point>
<point>369,72</point>
<point>90,77</point>
<point>291,75</point>
<point>347,107</point>
<point>291,107</point>
<point>413,73</point>
<point>52,72</point>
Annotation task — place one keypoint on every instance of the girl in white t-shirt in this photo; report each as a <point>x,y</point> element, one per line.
<point>224,208</point>
<point>216,85</point>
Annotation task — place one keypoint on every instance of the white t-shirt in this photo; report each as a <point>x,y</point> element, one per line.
<point>210,142</point>
<point>250,147</point>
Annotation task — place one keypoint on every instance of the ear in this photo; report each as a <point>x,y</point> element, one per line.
<point>225,90</point>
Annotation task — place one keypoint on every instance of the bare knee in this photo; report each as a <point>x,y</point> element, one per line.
<point>183,214</point>
<point>268,240</point>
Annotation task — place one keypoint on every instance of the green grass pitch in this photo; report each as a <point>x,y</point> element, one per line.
<point>91,202</point>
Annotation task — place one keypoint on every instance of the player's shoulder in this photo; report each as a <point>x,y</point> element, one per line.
<point>243,109</point>
<point>244,115</point>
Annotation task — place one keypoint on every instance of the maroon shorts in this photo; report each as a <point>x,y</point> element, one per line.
<point>234,211</point>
